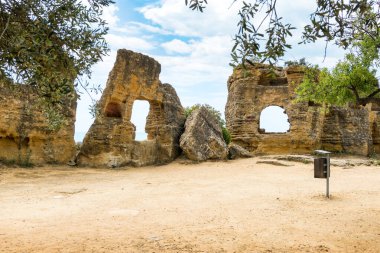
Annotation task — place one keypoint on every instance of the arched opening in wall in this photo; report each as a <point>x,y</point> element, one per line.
<point>113,110</point>
<point>140,111</point>
<point>273,119</point>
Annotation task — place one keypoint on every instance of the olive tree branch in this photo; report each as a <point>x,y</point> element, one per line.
<point>6,27</point>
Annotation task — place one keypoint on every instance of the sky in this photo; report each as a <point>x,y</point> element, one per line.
<point>193,49</point>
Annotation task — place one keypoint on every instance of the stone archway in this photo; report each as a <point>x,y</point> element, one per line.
<point>111,138</point>
<point>249,95</point>
<point>140,111</point>
<point>274,119</point>
<point>252,89</point>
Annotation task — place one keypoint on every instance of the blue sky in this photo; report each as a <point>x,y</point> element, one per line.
<point>193,48</point>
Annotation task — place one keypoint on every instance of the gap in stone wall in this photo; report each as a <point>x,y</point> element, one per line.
<point>140,111</point>
<point>273,119</point>
<point>113,110</point>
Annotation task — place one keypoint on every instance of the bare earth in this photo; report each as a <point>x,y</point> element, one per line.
<point>236,206</point>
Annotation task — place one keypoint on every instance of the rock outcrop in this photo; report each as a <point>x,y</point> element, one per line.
<point>111,138</point>
<point>235,151</point>
<point>203,138</point>
<point>374,121</point>
<point>347,130</point>
<point>351,130</point>
<point>25,135</point>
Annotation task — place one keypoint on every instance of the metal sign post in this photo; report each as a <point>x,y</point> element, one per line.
<point>322,168</point>
<point>328,175</point>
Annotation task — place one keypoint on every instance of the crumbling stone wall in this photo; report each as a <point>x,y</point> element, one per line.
<point>347,130</point>
<point>25,135</point>
<point>374,122</point>
<point>111,138</point>
<point>253,89</point>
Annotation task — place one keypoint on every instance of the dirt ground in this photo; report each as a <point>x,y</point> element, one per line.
<point>261,204</point>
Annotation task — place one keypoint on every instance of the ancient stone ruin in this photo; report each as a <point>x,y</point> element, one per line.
<point>203,138</point>
<point>251,90</point>
<point>111,138</point>
<point>25,135</point>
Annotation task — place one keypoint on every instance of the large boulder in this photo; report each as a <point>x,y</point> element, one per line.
<point>203,138</point>
<point>111,138</point>
<point>235,151</point>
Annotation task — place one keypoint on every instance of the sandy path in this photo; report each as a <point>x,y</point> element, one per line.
<point>235,206</point>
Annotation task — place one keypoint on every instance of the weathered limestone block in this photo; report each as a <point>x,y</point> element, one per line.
<point>347,130</point>
<point>203,138</point>
<point>350,130</point>
<point>25,136</point>
<point>235,151</point>
<point>111,138</point>
<point>375,127</point>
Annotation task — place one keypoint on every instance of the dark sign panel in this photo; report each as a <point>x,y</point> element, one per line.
<point>320,168</point>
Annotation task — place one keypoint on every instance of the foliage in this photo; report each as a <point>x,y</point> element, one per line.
<point>49,44</point>
<point>342,21</point>
<point>24,160</point>
<point>216,114</point>
<point>226,135</point>
<point>250,37</point>
<point>196,4</point>
<point>333,20</point>
<point>7,162</point>
<point>351,80</point>
<point>94,108</point>
<point>78,146</point>
<point>212,110</point>
<point>300,62</point>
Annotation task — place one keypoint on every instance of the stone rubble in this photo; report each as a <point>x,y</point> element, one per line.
<point>235,151</point>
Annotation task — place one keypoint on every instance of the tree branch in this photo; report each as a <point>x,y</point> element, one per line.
<point>234,1</point>
<point>272,8</point>
<point>373,93</point>
<point>6,27</point>
<point>356,93</point>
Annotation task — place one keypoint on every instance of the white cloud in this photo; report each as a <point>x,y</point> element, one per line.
<point>150,28</point>
<point>296,9</point>
<point>134,43</point>
<point>176,46</point>
<point>219,17</point>
<point>110,15</point>
<point>207,64</point>
<point>134,28</point>
<point>173,15</point>
<point>328,62</point>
